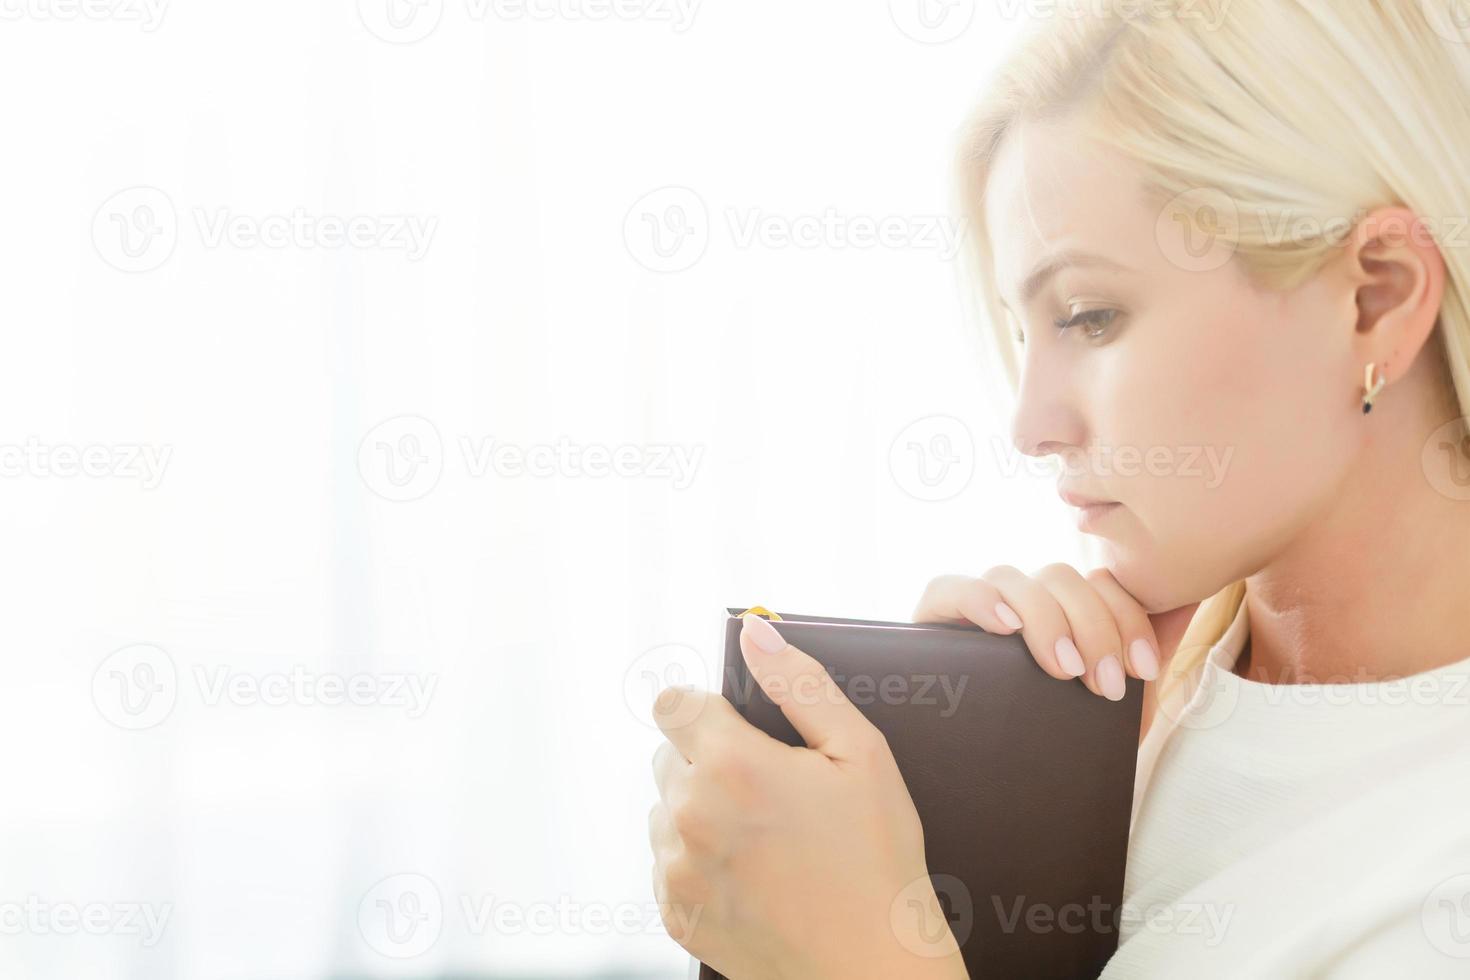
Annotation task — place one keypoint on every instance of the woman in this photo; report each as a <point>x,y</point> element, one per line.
<point>1236,228</point>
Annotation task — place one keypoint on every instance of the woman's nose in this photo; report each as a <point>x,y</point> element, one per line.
<point>1048,420</point>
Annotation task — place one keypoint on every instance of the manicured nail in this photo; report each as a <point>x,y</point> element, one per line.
<point>1145,662</point>
<point>1110,679</point>
<point>1068,657</point>
<point>1007,615</point>
<point>762,634</point>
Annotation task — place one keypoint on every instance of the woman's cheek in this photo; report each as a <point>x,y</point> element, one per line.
<point>1180,536</point>
<point>1190,533</point>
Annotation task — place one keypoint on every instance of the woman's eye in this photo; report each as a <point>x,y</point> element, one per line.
<point>1094,322</point>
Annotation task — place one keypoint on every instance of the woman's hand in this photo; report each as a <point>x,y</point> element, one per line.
<point>1074,624</point>
<point>772,861</point>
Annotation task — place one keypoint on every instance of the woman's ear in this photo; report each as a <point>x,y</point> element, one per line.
<point>1395,258</point>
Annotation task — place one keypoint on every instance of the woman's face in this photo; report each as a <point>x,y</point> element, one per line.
<point>1220,416</point>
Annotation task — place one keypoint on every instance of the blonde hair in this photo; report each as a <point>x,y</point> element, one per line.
<point>1302,114</point>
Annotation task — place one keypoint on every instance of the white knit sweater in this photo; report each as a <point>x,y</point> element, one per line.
<point>1301,830</point>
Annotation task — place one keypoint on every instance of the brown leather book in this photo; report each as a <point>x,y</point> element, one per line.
<point>1023,783</point>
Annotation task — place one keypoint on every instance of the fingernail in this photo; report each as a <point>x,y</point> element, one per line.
<point>762,634</point>
<point>1110,679</point>
<point>1145,661</point>
<point>1068,657</point>
<point>1007,615</point>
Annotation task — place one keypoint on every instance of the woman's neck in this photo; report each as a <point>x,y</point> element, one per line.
<point>1377,586</point>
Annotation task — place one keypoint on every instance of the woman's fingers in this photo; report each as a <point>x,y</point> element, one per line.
<point>1044,622</point>
<point>962,599</point>
<point>668,764</point>
<point>1093,630</point>
<point>1075,625</point>
<point>1137,633</point>
<point>670,770</point>
<point>661,836</point>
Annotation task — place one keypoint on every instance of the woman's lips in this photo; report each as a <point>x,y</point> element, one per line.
<point>1091,511</point>
<point>1092,516</point>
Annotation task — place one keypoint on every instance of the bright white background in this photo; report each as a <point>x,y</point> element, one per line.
<point>325,508</point>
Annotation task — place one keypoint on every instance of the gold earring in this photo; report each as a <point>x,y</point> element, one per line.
<point>1371,388</point>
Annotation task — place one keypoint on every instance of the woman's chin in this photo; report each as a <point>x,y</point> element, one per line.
<point>1161,585</point>
<point>1154,584</point>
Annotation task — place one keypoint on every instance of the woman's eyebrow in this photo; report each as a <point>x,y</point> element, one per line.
<point>1049,267</point>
